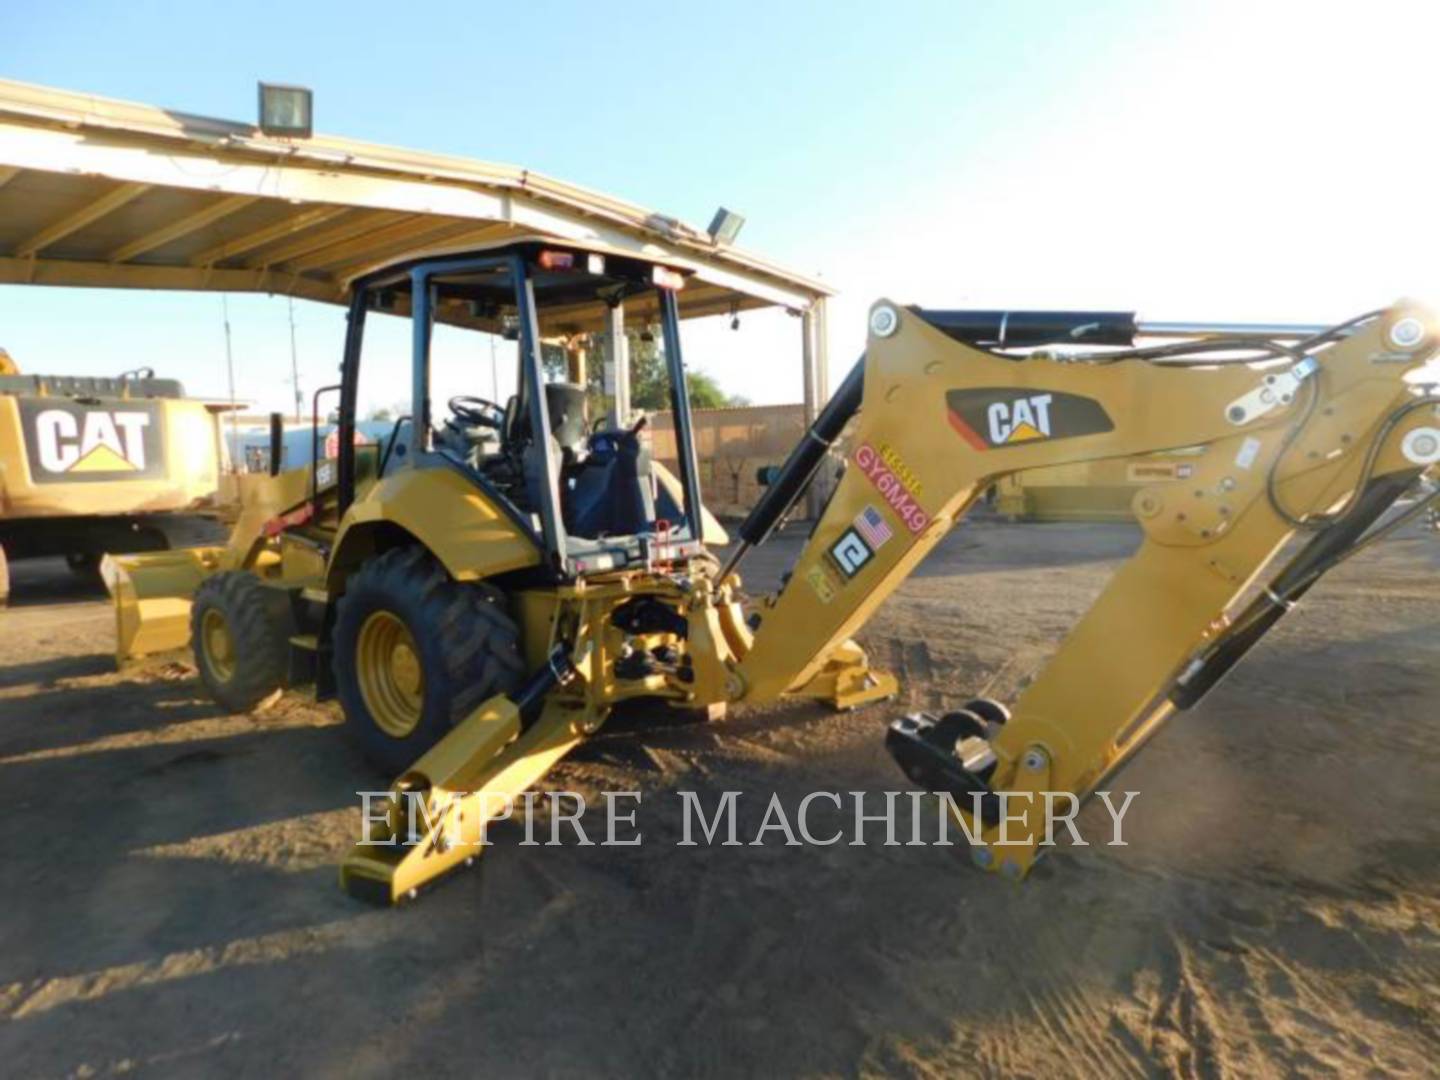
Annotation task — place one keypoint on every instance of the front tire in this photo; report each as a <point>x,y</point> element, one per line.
<point>240,633</point>
<point>415,652</point>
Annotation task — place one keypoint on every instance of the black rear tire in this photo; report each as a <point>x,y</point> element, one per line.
<point>240,634</point>
<point>466,644</point>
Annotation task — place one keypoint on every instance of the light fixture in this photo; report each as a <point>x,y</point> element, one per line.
<point>665,278</point>
<point>285,110</point>
<point>725,226</point>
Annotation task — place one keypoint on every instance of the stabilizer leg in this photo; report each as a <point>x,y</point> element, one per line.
<point>847,681</point>
<point>439,810</point>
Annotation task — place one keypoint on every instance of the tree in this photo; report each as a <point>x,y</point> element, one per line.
<point>650,381</point>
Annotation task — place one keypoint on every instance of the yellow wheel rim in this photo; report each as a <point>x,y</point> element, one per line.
<point>219,646</point>
<point>387,665</point>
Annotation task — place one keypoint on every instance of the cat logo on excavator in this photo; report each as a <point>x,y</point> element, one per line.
<point>68,441</point>
<point>1010,416</point>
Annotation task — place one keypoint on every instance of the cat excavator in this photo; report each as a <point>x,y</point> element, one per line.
<point>481,592</point>
<point>95,464</point>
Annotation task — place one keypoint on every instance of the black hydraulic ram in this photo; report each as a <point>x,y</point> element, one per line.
<point>1023,329</point>
<point>800,467</point>
<point>556,671</point>
<point>1028,329</point>
<point>1289,585</point>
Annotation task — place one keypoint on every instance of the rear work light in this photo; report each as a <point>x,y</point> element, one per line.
<point>668,279</point>
<point>556,260</point>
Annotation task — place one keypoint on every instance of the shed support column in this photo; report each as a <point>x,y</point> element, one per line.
<point>617,366</point>
<point>575,362</point>
<point>817,393</point>
<point>822,353</point>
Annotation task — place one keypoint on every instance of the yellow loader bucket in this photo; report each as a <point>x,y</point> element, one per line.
<point>152,595</point>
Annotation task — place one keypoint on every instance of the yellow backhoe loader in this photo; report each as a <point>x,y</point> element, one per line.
<point>480,605</point>
<point>96,465</point>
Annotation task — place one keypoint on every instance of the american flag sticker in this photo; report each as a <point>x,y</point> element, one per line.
<point>870,524</point>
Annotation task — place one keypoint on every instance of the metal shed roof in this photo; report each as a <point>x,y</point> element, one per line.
<point>96,192</point>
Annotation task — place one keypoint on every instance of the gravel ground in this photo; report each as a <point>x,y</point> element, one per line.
<point>171,905</point>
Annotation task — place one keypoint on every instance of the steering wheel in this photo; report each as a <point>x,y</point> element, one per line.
<point>477,411</point>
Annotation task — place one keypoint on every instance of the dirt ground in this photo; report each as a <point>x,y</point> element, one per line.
<point>171,905</point>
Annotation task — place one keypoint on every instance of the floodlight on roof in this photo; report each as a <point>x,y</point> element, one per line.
<point>286,110</point>
<point>725,226</point>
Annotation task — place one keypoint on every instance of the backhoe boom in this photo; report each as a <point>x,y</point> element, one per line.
<point>1326,437</point>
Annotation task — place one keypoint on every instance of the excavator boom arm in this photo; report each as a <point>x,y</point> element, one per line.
<point>1321,442</point>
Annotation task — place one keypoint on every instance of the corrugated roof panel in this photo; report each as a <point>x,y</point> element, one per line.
<point>31,199</point>
<point>242,222</point>
<point>146,213</point>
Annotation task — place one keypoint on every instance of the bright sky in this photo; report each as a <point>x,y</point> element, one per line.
<point>1245,161</point>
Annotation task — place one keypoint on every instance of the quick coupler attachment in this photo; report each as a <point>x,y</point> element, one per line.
<point>951,753</point>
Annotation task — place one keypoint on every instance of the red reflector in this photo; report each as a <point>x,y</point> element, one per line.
<point>556,260</point>
<point>668,279</point>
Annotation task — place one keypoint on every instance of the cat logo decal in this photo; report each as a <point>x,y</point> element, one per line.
<point>990,419</point>
<point>68,441</point>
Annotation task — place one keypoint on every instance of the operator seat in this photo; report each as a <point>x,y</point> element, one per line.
<point>606,484</point>
<point>565,406</point>
<point>613,493</point>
